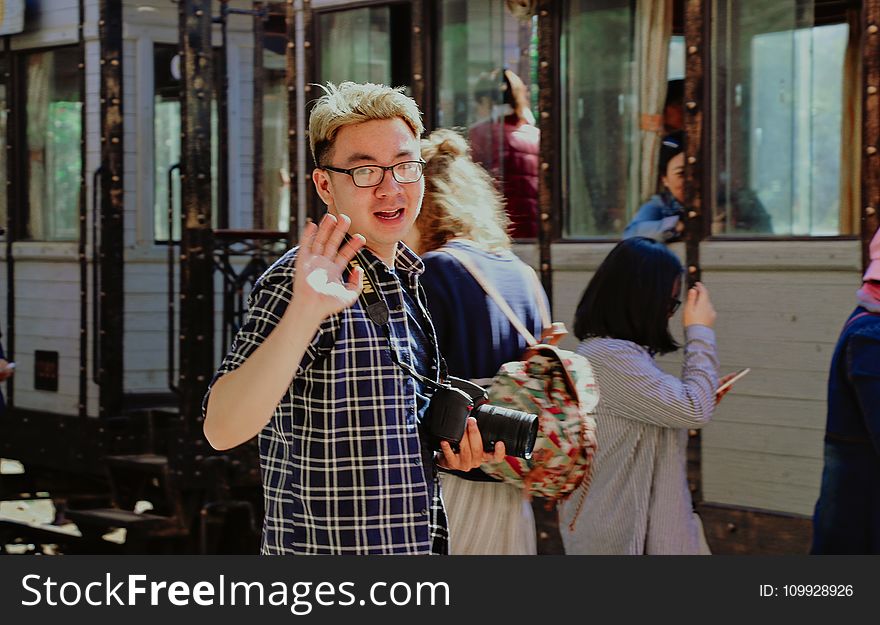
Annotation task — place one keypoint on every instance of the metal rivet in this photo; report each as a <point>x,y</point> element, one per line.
<point>871,150</point>
<point>872,29</point>
<point>307,44</point>
<point>417,76</point>
<point>545,166</point>
<point>417,29</point>
<point>692,269</point>
<point>691,105</point>
<point>869,211</point>
<point>545,115</point>
<point>692,159</point>
<point>692,49</point>
<point>872,89</point>
<point>545,64</point>
<point>692,214</point>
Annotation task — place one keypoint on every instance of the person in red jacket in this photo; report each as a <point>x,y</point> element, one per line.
<point>508,146</point>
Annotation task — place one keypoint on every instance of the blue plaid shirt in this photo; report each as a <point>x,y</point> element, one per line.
<point>341,458</point>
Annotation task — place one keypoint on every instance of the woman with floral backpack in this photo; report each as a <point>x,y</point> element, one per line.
<point>463,214</point>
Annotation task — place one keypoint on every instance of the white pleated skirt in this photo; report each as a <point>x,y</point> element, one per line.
<point>488,518</point>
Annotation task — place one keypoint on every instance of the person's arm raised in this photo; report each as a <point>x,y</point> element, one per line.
<point>242,401</point>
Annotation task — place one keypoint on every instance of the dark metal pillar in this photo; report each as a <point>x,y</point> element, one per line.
<point>196,267</point>
<point>259,86</point>
<point>10,225</point>
<point>111,297</point>
<point>292,148</point>
<point>421,66</point>
<point>694,107</point>
<point>83,229</point>
<point>548,123</point>
<point>314,206</point>
<point>222,94</point>
<point>695,18</point>
<point>870,124</point>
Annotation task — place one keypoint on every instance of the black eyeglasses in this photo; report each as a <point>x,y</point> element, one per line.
<point>372,175</point>
<point>673,305</point>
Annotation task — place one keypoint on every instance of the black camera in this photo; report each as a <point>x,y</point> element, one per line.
<point>454,402</point>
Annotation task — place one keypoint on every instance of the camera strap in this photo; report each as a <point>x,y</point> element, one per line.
<point>377,311</point>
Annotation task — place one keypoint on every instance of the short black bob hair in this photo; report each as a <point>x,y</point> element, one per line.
<point>630,296</point>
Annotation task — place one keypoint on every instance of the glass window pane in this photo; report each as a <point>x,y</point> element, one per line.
<point>166,138</point>
<point>598,130</point>
<point>167,141</point>
<point>276,178</point>
<point>778,90</point>
<point>355,45</point>
<point>487,89</point>
<point>53,129</point>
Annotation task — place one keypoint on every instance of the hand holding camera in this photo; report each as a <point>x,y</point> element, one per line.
<point>460,418</point>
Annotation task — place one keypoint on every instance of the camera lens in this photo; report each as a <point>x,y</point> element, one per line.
<point>516,429</point>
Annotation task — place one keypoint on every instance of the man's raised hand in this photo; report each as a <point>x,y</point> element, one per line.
<point>318,289</point>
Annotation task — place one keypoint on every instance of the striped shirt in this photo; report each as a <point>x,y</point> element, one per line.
<point>341,459</point>
<point>639,502</point>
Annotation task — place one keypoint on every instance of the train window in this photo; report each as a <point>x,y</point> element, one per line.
<point>53,128</point>
<point>355,44</point>
<point>276,166</point>
<point>599,130</point>
<point>166,142</point>
<point>779,82</point>
<point>487,88</point>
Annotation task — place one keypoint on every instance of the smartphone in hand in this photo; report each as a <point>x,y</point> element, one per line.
<point>731,381</point>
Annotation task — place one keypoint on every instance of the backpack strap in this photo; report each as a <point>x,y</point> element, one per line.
<point>493,293</point>
<point>858,316</point>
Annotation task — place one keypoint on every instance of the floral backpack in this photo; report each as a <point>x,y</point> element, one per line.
<point>557,385</point>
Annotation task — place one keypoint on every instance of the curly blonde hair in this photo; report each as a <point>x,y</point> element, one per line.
<point>354,103</point>
<point>461,200</point>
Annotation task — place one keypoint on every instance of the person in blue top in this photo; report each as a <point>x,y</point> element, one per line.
<point>662,217</point>
<point>464,212</point>
<point>847,515</point>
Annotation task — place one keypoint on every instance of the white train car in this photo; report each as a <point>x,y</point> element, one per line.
<point>117,311</point>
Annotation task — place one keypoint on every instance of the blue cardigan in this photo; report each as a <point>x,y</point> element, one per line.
<point>474,336</point>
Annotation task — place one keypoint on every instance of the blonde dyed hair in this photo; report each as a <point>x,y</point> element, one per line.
<point>461,200</point>
<point>355,103</point>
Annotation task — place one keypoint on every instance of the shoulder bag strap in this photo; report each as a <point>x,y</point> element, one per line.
<point>493,293</point>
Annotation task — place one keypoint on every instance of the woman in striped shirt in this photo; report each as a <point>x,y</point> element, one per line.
<point>639,502</point>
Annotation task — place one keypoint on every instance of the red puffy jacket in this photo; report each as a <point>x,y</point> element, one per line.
<point>510,151</point>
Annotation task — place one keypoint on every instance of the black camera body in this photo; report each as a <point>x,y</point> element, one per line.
<point>458,399</point>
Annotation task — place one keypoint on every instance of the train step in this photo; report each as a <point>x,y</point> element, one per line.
<point>105,519</point>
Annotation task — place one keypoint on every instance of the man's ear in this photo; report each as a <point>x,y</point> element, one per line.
<point>322,185</point>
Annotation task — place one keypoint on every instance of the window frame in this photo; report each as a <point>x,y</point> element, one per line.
<point>18,196</point>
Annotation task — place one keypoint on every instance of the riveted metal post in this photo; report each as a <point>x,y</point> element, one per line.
<point>83,227</point>
<point>196,266</point>
<point>11,191</point>
<point>870,218</point>
<point>292,150</point>
<point>258,86</point>
<point>548,123</point>
<point>693,123</point>
<point>696,20</point>
<point>420,80</point>
<point>111,298</point>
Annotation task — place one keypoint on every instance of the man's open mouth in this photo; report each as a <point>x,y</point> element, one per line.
<point>389,215</point>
